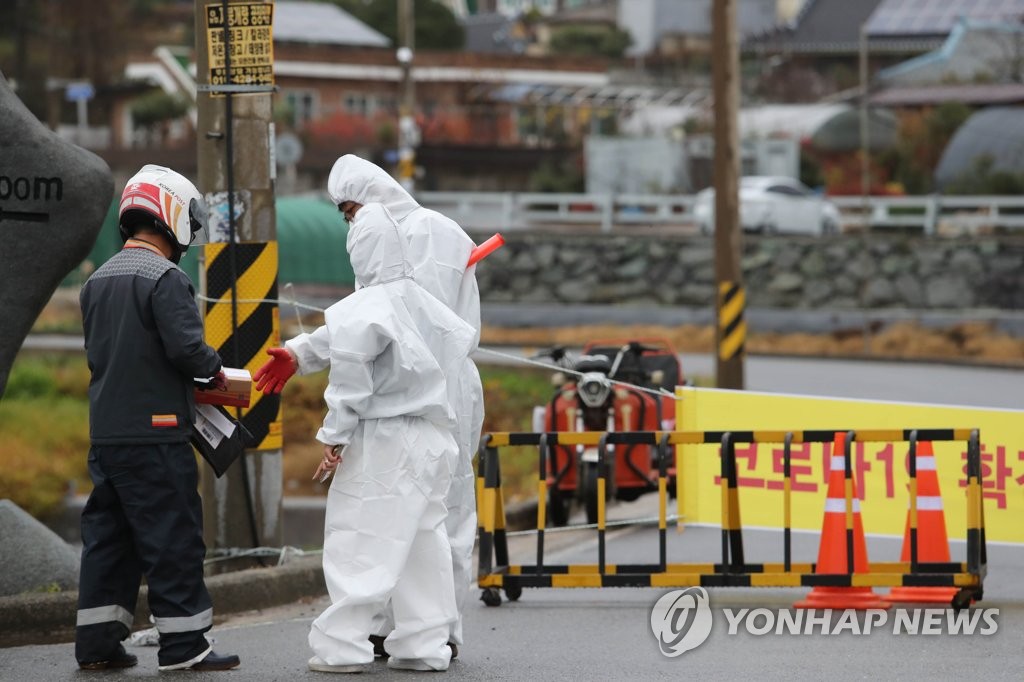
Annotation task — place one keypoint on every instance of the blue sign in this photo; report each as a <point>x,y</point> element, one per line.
<point>77,92</point>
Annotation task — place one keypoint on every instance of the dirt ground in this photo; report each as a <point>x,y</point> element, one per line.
<point>966,342</point>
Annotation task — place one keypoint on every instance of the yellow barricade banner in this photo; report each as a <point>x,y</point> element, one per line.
<point>880,469</point>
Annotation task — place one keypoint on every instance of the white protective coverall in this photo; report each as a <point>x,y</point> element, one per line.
<point>391,346</point>
<point>438,250</point>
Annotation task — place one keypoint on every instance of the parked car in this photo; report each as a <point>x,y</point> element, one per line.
<point>773,204</point>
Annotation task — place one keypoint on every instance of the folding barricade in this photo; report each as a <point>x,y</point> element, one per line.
<point>496,573</point>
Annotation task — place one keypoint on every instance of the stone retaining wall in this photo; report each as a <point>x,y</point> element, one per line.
<point>841,272</point>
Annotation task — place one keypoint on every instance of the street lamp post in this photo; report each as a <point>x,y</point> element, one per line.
<point>408,133</point>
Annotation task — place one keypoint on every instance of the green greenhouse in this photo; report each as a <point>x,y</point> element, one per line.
<point>311,237</point>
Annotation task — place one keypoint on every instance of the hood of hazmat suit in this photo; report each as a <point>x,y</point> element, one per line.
<point>438,248</point>
<point>392,344</point>
<point>392,347</point>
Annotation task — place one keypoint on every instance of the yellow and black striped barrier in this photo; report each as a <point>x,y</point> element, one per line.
<point>242,333</point>
<point>732,328</point>
<point>496,572</point>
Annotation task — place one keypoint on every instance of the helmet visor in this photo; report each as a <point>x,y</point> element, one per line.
<point>197,217</point>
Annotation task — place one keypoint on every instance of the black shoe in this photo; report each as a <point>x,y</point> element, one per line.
<point>215,661</point>
<point>378,646</point>
<point>455,649</point>
<point>212,661</point>
<point>121,659</point>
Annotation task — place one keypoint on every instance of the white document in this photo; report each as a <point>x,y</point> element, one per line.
<point>213,425</point>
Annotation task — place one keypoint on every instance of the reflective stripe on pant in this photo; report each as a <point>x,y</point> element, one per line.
<point>144,516</point>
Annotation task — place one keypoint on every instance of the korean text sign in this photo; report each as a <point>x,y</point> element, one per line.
<point>879,469</point>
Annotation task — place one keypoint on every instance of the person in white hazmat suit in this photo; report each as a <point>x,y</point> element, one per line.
<point>438,250</point>
<point>391,346</point>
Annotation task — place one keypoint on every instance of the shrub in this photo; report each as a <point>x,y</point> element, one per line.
<point>29,380</point>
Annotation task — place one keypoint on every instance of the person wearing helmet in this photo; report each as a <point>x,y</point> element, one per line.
<point>145,349</point>
<point>389,431</point>
<point>438,252</point>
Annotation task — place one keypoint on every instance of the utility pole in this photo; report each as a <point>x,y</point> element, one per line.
<point>408,132</point>
<point>731,299</point>
<point>234,131</point>
<point>865,142</point>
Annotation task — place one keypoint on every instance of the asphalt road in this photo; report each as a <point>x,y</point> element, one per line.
<point>606,634</point>
<point>883,381</point>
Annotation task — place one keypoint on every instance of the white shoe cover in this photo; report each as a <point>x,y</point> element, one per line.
<point>414,664</point>
<point>318,664</point>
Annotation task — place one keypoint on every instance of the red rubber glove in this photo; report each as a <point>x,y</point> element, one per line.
<point>275,372</point>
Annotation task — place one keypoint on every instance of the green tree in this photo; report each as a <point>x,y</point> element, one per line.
<point>559,177</point>
<point>436,26</point>
<point>53,39</point>
<point>157,107</point>
<point>922,139</point>
<point>590,41</point>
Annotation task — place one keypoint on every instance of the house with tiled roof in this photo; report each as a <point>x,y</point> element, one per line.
<point>816,54</point>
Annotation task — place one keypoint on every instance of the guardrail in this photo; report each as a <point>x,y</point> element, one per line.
<point>521,210</point>
<point>933,213</point>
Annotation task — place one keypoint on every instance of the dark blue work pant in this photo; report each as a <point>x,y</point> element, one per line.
<point>144,517</point>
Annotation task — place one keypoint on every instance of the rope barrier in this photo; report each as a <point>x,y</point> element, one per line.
<point>661,392</point>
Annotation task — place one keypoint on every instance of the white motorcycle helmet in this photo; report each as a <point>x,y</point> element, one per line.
<point>162,195</point>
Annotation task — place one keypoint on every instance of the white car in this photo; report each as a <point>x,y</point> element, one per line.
<point>773,204</point>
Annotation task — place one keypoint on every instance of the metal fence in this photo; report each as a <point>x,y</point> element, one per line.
<point>933,214</point>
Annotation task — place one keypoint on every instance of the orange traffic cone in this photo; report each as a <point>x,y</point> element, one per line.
<point>832,555</point>
<point>932,542</point>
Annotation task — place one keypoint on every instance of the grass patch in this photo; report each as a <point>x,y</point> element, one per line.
<point>509,397</point>
<point>510,394</point>
<point>46,443</point>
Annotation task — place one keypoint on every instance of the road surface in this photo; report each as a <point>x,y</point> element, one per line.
<point>606,634</point>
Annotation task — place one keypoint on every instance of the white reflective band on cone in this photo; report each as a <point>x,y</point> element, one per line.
<point>838,463</point>
<point>928,503</point>
<point>186,623</point>
<point>105,614</point>
<point>833,505</point>
<point>925,463</point>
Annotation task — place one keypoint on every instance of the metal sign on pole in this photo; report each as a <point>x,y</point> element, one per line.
<point>234,45</point>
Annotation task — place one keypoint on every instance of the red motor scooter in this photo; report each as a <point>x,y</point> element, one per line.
<point>598,399</point>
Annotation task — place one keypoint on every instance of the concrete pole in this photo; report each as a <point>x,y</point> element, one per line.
<point>243,508</point>
<point>731,299</point>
